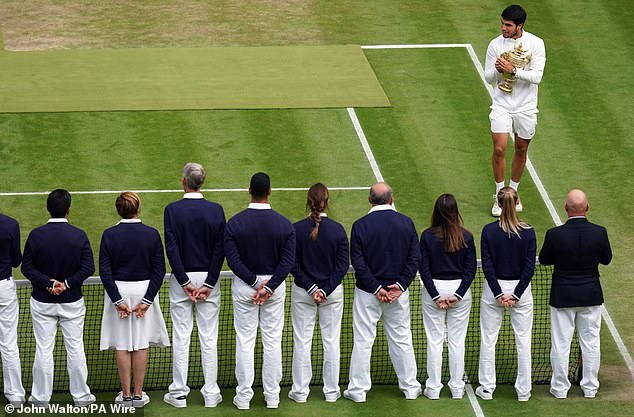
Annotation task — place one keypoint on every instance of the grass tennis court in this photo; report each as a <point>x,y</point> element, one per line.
<point>434,138</point>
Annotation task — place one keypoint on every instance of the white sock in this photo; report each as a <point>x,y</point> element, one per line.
<point>498,187</point>
<point>514,185</point>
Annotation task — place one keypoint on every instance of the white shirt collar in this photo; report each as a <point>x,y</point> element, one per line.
<point>129,221</point>
<point>58,220</point>
<point>382,207</point>
<point>323,215</point>
<point>193,196</point>
<point>577,217</point>
<point>260,206</point>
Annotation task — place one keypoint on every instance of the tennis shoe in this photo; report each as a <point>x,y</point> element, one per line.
<point>296,397</point>
<point>484,393</point>
<point>178,402</point>
<point>241,405</point>
<point>431,394</point>
<point>496,210</point>
<point>140,401</point>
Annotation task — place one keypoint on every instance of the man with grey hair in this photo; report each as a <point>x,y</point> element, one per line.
<point>194,230</point>
<point>385,255</point>
<point>576,249</point>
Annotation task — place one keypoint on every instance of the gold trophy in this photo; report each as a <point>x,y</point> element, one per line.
<point>519,58</point>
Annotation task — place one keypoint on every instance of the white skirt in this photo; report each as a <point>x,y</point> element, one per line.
<point>132,333</point>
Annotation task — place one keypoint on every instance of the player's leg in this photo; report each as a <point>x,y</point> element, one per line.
<point>434,324</point>
<point>588,323</point>
<point>207,313</point>
<point>522,322</point>
<point>562,327</point>
<point>11,368</point>
<point>491,315</point>
<point>524,125</point>
<point>271,327</point>
<point>245,322</point>
<point>44,330</point>
<point>71,321</point>
<point>303,312</point>
<point>330,314</point>
<point>457,326</point>
<point>366,311</point>
<point>501,126</point>
<point>181,310</point>
<point>396,324</point>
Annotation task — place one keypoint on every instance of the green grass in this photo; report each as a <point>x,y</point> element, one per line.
<point>193,78</point>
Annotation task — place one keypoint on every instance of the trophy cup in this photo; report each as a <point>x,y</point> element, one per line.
<point>519,58</point>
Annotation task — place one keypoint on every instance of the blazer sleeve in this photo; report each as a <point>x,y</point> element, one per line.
<point>412,262</point>
<point>528,269</point>
<point>365,279</point>
<point>469,266</point>
<point>286,262</point>
<point>105,272</point>
<point>172,250</point>
<point>425,270</point>
<point>606,256</point>
<point>218,256</point>
<point>86,268</point>
<point>29,270</point>
<point>487,265</point>
<point>16,253</point>
<point>157,262</point>
<point>547,252</point>
<point>233,258</point>
<point>342,266</point>
<point>300,278</point>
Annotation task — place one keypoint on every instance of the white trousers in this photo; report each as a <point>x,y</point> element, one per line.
<point>366,312</point>
<point>491,315</point>
<point>70,317</point>
<point>562,326</point>
<point>206,312</point>
<point>453,322</point>
<point>11,368</point>
<point>246,317</point>
<point>304,310</point>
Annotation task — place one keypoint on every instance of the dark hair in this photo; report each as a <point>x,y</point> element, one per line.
<point>514,13</point>
<point>446,223</point>
<point>128,204</point>
<point>260,185</point>
<point>316,202</point>
<point>58,203</point>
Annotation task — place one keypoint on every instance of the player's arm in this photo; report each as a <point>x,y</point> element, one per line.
<point>535,71</point>
<point>491,74</point>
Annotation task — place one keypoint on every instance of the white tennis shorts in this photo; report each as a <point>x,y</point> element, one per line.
<point>523,124</point>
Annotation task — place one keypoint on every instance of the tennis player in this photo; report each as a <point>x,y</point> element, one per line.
<point>194,232</point>
<point>260,249</point>
<point>385,255</point>
<point>514,112</point>
<point>10,257</point>
<point>447,268</point>
<point>321,262</point>
<point>57,260</point>
<point>132,267</point>
<point>508,249</point>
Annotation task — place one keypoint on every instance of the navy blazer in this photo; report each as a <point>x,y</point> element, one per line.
<point>320,264</point>
<point>508,257</point>
<point>576,249</point>
<point>260,242</point>
<point>437,264</point>
<point>384,250</point>
<point>60,251</point>
<point>131,252</point>
<point>10,254</point>
<point>194,232</point>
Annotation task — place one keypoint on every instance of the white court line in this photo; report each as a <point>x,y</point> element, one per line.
<point>204,190</point>
<point>365,144</point>
<point>473,401</point>
<point>417,46</point>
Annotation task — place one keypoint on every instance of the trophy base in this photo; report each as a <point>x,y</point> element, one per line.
<point>506,88</point>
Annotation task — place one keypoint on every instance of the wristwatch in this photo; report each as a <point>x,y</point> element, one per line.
<point>514,72</point>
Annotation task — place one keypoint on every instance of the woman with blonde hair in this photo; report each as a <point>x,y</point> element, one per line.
<point>321,262</point>
<point>508,248</point>
<point>448,266</point>
<point>132,267</point>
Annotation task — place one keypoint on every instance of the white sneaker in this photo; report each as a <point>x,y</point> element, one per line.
<point>296,397</point>
<point>414,395</point>
<point>351,397</point>
<point>272,403</point>
<point>557,395</point>
<point>496,210</point>
<point>589,394</point>
<point>241,405</point>
<point>178,402</point>
<point>431,394</point>
<point>140,401</point>
<point>89,399</point>
<point>523,398</point>
<point>457,394</point>
<point>331,398</point>
<point>483,393</point>
<point>213,402</point>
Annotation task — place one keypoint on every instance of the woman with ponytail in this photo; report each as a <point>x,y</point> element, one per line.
<point>448,266</point>
<point>320,265</point>
<point>508,261</point>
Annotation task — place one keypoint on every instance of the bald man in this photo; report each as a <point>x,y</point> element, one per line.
<point>385,254</point>
<point>576,249</point>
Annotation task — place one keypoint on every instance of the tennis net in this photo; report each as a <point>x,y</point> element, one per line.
<point>102,369</point>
